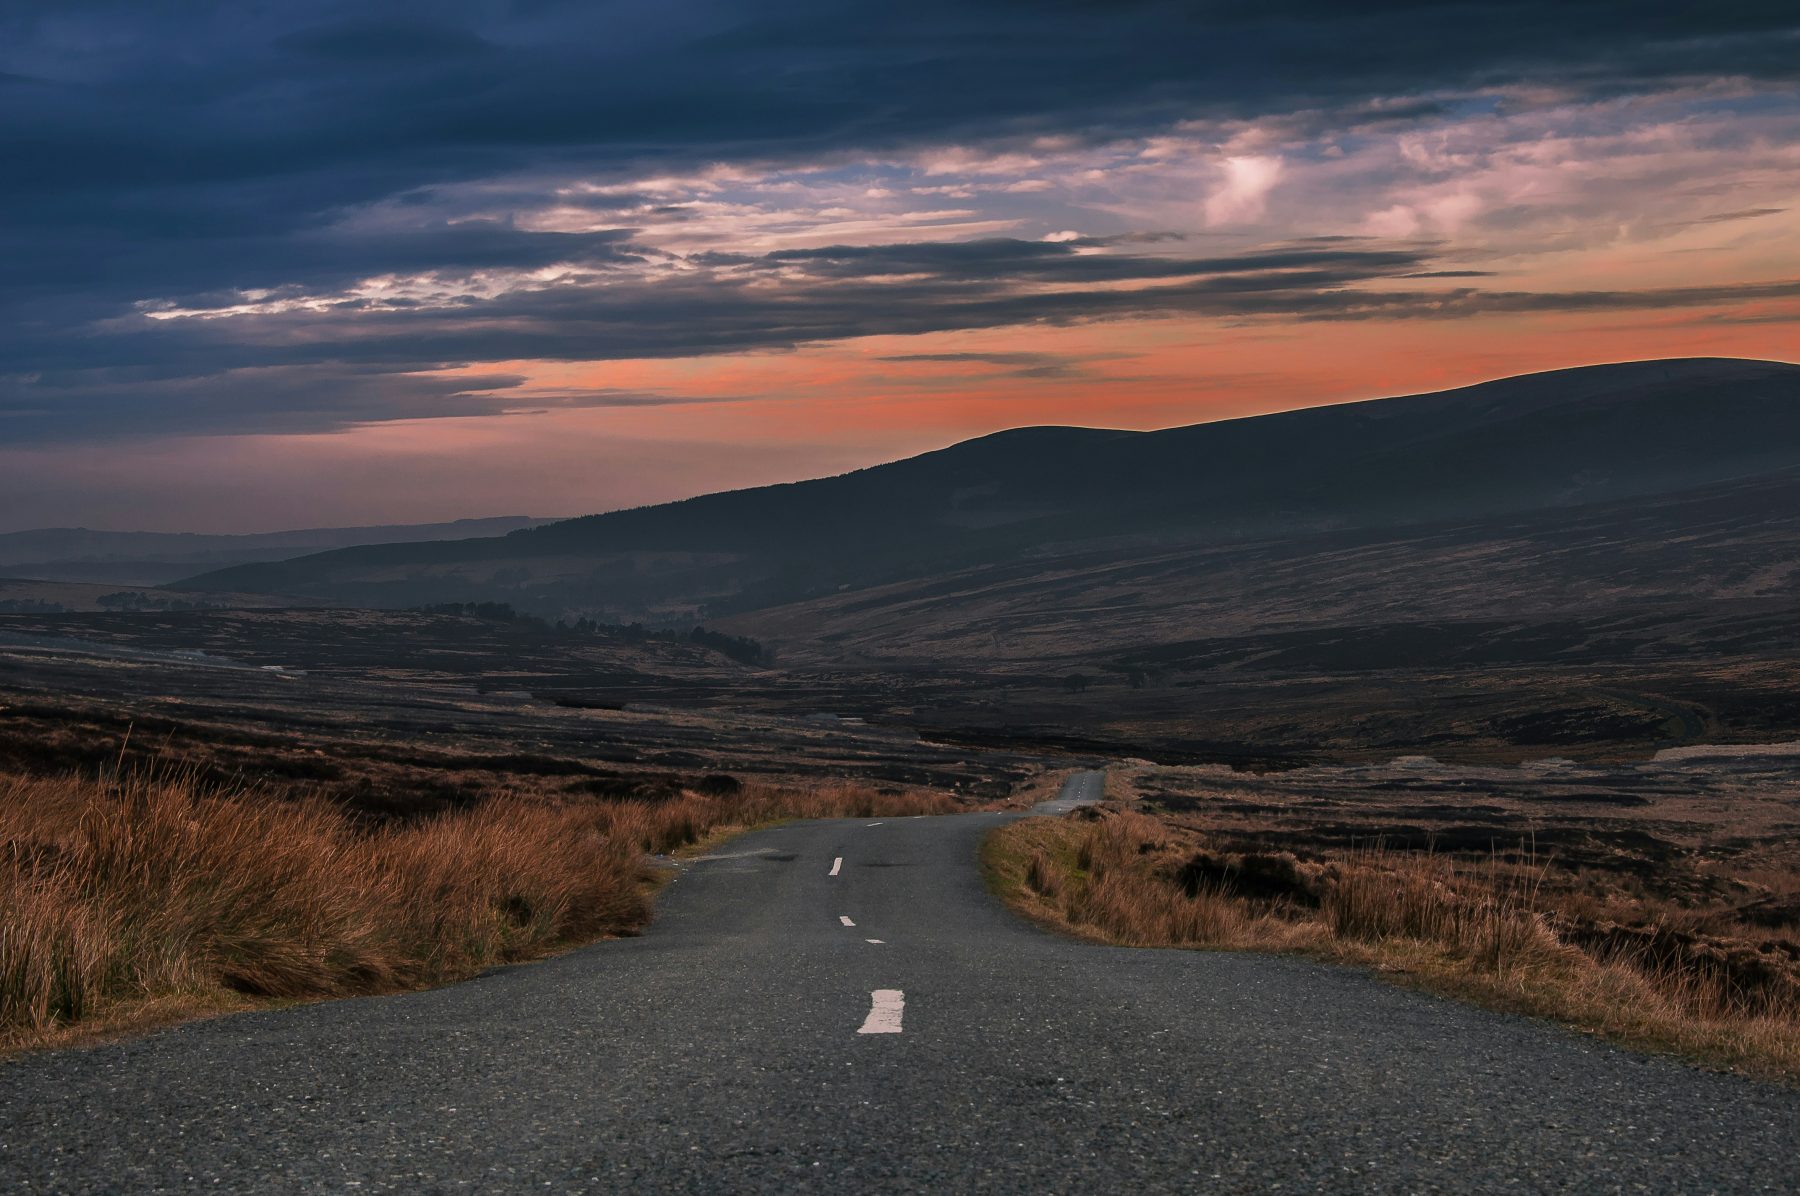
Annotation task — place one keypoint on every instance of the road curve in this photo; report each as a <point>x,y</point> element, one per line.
<point>755,1039</point>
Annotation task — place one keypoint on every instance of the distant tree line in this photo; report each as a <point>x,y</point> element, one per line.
<point>740,648</point>
<point>30,606</point>
<point>493,612</point>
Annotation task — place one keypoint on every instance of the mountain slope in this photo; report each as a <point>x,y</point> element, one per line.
<point>80,554</point>
<point>1542,441</point>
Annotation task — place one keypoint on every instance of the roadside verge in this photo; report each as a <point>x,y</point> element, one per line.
<point>1109,875</point>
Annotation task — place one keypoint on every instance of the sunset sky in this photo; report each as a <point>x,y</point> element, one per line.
<point>284,265</point>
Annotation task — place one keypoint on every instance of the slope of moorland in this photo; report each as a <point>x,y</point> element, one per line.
<point>1708,567</point>
<point>1638,431</point>
<point>1593,563</point>
<point>79,554</point>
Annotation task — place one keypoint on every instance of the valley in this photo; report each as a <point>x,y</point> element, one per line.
<point>1585,676</point>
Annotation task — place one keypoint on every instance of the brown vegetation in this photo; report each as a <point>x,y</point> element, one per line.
<point>402,713</point>
<point>131,899</point>
<point>1485,929</point>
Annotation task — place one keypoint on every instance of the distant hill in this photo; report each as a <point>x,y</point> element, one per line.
<point>1025,499</point>
<point>79,554</point>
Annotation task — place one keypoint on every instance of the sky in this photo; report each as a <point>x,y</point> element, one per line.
<point>269,265</point>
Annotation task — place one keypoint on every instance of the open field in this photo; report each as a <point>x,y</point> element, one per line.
<point>404,713</point>
<point>1607,686</point>
<point>1608,631</point>
<point>1657,903</point>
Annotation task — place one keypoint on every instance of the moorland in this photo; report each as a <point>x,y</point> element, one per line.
<point>1536,643</point>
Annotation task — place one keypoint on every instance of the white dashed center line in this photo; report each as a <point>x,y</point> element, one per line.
<point>877,942</point>
<point>836,864</point>
<point>875,824</point>
<point>886,1005</point>
<point>845,919</point>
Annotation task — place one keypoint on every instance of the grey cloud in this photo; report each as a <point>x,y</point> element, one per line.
<point>307,370</point>
<point>1016,365</point>
<point>186,152</point>
<point>1745,214</point>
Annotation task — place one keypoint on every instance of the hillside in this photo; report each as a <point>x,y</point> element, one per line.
<point>1639,431</point>
<point>79,554</point>
<point>1707,564</point>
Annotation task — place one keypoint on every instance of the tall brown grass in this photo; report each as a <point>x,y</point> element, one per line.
<point>147,896</point>
<point>1488,915</point>
<point>1470,930</point>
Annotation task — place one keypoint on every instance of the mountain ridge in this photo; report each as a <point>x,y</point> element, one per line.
<point>82,554</point>
<point>1536,441</point>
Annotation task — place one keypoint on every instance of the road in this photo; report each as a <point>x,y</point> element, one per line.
<point>841,1006</point>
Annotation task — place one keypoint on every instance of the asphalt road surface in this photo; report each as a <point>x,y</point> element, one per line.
<point>841,1006</point>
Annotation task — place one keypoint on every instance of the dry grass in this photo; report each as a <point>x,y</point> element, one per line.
<point>1476,931</point>
<point>1042,787</point>
<point>125,901</point>
<point>1105,880</point>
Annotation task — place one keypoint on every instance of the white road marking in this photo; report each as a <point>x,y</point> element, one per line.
<point>845,919</point>
<point>877,942</point>
<point>836,864</point>
<point>875,824</point>
<point>886,1005</point>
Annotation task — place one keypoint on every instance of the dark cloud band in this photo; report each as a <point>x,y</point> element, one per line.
<point>189,156</point>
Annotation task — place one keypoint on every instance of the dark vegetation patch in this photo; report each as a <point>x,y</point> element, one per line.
<point>1255,876</point>
<point>1050,740</point>
<point>628,786</point>
<point>1583,724</point>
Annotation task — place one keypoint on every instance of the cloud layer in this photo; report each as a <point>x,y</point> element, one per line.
<point>235,220</point>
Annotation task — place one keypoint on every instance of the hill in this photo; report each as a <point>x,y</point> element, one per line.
<point>1551,441</point>
<point>79,554</point>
